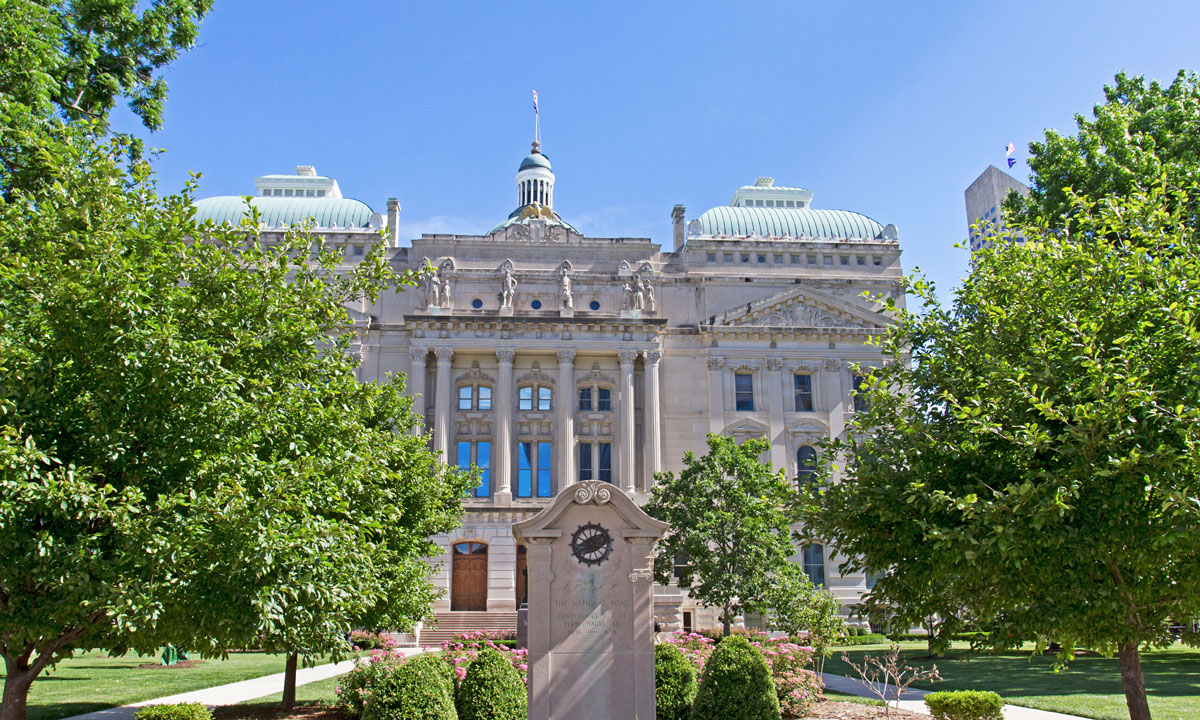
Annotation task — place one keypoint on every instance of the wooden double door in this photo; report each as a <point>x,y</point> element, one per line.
<point>469,576</point>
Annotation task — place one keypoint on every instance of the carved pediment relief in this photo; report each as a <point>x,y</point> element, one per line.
<point>535,376</point>
<point>595,377</point>
<point>799,307</point>
<point>474,376</point>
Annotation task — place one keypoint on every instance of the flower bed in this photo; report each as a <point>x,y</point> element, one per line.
<point>797,687</point>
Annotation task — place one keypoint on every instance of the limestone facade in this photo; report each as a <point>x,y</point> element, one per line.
<point>544,356</point>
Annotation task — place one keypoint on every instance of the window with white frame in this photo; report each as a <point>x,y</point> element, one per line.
<point>743,392</point>
<point>803,392</point>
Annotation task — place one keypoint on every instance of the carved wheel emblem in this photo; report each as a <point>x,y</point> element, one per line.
<point>591,544</point>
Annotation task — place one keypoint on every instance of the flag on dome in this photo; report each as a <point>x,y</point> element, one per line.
<point>535,107</point>
<point>1009,149</point>
<point>1011,162</point>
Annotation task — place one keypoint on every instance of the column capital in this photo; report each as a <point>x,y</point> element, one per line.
<point>418,354</point>
<point>566,356</point>
<point>833,365</point>
<point>506,355</point>
<point>652,356</point>
<point>716,363</point>
<point>627,356</point>
<point>775,364</point>
<point>444,354</point>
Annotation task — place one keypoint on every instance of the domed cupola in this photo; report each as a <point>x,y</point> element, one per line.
<point>535,180</point>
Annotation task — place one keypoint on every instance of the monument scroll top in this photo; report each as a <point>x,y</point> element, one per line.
<point>592,493</point>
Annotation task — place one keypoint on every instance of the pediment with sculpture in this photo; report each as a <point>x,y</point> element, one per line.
<point>799,307</point>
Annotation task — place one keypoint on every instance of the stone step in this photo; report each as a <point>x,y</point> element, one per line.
<point>452,624</point>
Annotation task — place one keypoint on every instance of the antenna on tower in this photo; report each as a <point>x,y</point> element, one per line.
<point>536,129</point>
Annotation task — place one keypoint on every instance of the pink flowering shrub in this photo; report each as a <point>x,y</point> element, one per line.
<point>798,687</point>
<point>367,640</point>
<point>486,635</point>
<point>458,654</point>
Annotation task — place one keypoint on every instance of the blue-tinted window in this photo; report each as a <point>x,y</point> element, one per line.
<point>543,462</point>
<point>543,398</point>
<point>743,392</point>
<point>483,461</point>
<point>525,398</point>
<point>604,399</point>
<point>585,399</point>
<point>464,398</point>
<point>802,384</point>
<point>814,563</point>
<point>485,398</point>
<point>464,455</point>
<point>585,461</point>
<point>605,462</point>
<point>806,466</point>
<point>525,469</point>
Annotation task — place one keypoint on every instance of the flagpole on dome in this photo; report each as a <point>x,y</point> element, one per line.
<point>537,140</point>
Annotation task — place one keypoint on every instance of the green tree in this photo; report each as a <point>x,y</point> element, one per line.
<point>798,606</point>
<point>186,454</point>
<point>1038,460</point>
<point>1142,134</point>
<point>73,60</point>
<point>729,512</point>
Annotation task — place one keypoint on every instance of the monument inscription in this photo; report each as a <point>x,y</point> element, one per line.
<point>590,621</point>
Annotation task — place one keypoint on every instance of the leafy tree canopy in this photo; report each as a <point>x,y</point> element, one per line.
<point>729,514</point>
<point>186,454</point>
<point>72,60</point>
<point>1037,464</point>
<point>1142,134</point>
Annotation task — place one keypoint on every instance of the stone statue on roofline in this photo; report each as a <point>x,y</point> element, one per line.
<point>508,289</point>
<point>647,296</point>
<point>564,291</point>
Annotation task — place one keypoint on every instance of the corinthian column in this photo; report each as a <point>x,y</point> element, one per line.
<point>441,404</point>
<point>416,384</point>
<point>502,452</point>
<point>564,418</point>
<point>652,418</point>
<point>776,392</point>
<point>628,471</point>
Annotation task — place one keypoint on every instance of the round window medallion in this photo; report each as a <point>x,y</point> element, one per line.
<point>536,304</point>
<point>476,303</point>
<point>595,304</point>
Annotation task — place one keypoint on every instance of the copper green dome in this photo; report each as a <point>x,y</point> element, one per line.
<point>535,160</point>
<point>278,211</point>
<point>787,222</point>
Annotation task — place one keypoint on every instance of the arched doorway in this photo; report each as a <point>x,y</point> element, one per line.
<point>468,576</point>
<point>522,578</point>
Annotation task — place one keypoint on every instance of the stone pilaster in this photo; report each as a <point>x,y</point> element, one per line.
<point>776,393</point>
<point>564,418</point>
<point>502,450</point>
<point>441,404</point>
<point>628,470</point>
<point>716,395</point>
<point>652,417</point>
<point>416,383</point>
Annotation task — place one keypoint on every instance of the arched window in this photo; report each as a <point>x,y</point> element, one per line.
<point>806,466</point>
<point>474,397</point>
<point>534,397</point>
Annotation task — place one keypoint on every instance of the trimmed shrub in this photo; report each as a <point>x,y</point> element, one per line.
<point>367,640</point>
<point>356,686</point>
<point>420,689</point>
<point>865,639</point>
<point>178,711</point>
<point>492,690</point>
<point>736,685</point>
<point>674,683</point>
<point>965,705</point>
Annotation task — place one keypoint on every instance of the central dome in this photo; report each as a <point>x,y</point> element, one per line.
<point>534,160</point>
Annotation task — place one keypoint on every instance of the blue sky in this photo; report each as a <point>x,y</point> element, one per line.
<point>889,109</point>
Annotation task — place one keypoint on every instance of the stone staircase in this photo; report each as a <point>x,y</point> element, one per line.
<point>452,624</point>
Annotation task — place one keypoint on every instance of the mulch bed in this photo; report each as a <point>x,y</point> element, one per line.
<point>833,710</point>
<point>272,712</point>
<point>177,666</point>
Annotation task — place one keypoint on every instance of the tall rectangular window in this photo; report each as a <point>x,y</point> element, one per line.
<point>543,398</point>
<point>814,563</point>
<point>604,399</point>
<point>860,394</point>
<point>585,461</point>
<point>803,388</point>
<point>525,398</point>
<point>483,461</point>
<point>585,399</point>
<point>525,469</point>
<point>464,455</point>
<point>743,392</point>
<point>485,398</point>
<point>543,465</point>
<point>464,398</point>
<point>604,462</point>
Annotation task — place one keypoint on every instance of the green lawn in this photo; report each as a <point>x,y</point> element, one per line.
<point>319,692</point>
<point>1090,687</point>
<point>91,681</point>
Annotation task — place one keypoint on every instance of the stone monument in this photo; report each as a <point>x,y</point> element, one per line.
<point>591,602</point>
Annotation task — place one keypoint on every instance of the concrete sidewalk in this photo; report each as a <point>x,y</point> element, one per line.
<point>913,699</point>
<point>235,693</point>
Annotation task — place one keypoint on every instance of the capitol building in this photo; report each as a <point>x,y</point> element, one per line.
<point>544,356</point>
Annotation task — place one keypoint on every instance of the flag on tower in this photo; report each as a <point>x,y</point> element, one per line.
<point>1011,162</point>
<point>535,107</point>
<point>1009,149</point>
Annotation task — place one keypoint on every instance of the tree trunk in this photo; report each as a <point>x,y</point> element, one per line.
<point>1134,682</point>
<point>16,692</point>
<point>726,619</point>
<point>289,682</point>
